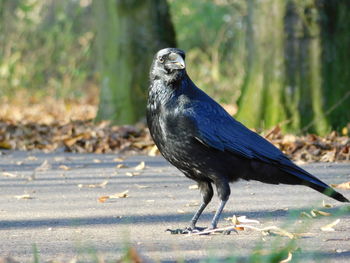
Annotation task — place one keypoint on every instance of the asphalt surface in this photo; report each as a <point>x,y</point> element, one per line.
<point>64,219</point>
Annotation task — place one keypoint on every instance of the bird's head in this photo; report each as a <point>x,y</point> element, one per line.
<point>168,65</point>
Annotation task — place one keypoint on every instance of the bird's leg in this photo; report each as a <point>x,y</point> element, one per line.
<point>223,189</point>
<point>217,215</point>
<point>207,194</point>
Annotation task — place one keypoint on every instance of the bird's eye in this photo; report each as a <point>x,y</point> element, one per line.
<point>161,59</point>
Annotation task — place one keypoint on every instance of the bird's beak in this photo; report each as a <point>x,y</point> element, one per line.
<point>175,61</point>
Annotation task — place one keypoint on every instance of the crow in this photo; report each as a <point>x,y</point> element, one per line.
<point>196,135</point>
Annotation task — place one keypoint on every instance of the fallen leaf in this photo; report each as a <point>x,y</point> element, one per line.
<point>288,259</point>
<point>329,227</point>
<point>180,211</point>
<point>344,186</point>
<point>277,231</point>
<point>238,221</point>
<point>118,159</point>
<point>140,166</point>
<point>304,214</point>
<point>324,204</point>
<point>141,186</point>
<point>193,187</point>
<point>96,161</point>
<point>120,195</point>
<point>104,198</point>
<point>11,175</point>
<point>153,151</point>
<point>101,185</point>
<point>118,166</point>
<point>43,167</point>
<point>132,173</point>
<point>316,213</point>
<point>64,167</point>
<point>5,145</point>
<point>31,158</point>
<point>192,204</point>
<point>25,196</point>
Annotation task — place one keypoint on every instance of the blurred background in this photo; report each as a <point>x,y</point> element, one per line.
<point>269,62</point>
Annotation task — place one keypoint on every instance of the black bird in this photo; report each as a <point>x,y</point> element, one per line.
<point>196,135</point>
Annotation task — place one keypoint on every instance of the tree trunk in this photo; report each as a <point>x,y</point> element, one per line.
<point>128,35</point>
<point>298,68</point>
<point>335,21</point>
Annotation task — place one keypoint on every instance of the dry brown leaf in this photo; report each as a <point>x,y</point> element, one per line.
<point>118,159</point>
<point>103,198</point>
<point>140,166</point>
<point>344,186</point>
<point>25,196</point>
<point>193,187</point>
<point>238,221</point>
<point>329,227</point>
<point>64,167</point>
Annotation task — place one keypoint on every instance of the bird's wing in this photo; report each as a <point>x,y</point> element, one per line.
<point>217,129</point>
<point>214,127</point>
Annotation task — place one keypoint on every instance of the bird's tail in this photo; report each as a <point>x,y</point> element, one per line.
<point>315,183</point>
<point>328,191</point>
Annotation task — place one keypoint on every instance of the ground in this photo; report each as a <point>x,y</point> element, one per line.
<point>53,200</point>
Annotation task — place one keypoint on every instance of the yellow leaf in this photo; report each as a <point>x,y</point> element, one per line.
<point>329,227</point>
<point>5,145</point>
<point>120,195</point>
<point>11,175</point>
<point>25,196</point>
<point>140,166</point>
<point>345,186</point>
<point>64,167</point>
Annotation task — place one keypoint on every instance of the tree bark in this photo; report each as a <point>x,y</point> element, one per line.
<point>128,35</point>
<point>298,65</point>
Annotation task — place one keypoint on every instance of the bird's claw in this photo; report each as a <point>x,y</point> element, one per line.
<point>187,230</point>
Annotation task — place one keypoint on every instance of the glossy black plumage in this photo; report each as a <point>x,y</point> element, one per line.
<point>196,135</point>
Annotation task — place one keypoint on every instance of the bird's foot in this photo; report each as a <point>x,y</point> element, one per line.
<point>187,230</point>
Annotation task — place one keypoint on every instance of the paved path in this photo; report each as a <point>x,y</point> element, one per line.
<point>64,220</point>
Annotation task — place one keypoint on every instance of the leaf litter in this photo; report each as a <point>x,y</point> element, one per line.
<point>100,185</point>
<point>104,198</point>
<point>49,129</point>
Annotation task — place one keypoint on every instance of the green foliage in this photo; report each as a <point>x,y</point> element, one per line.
<point>46,47</point>
<point>212,34</point>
